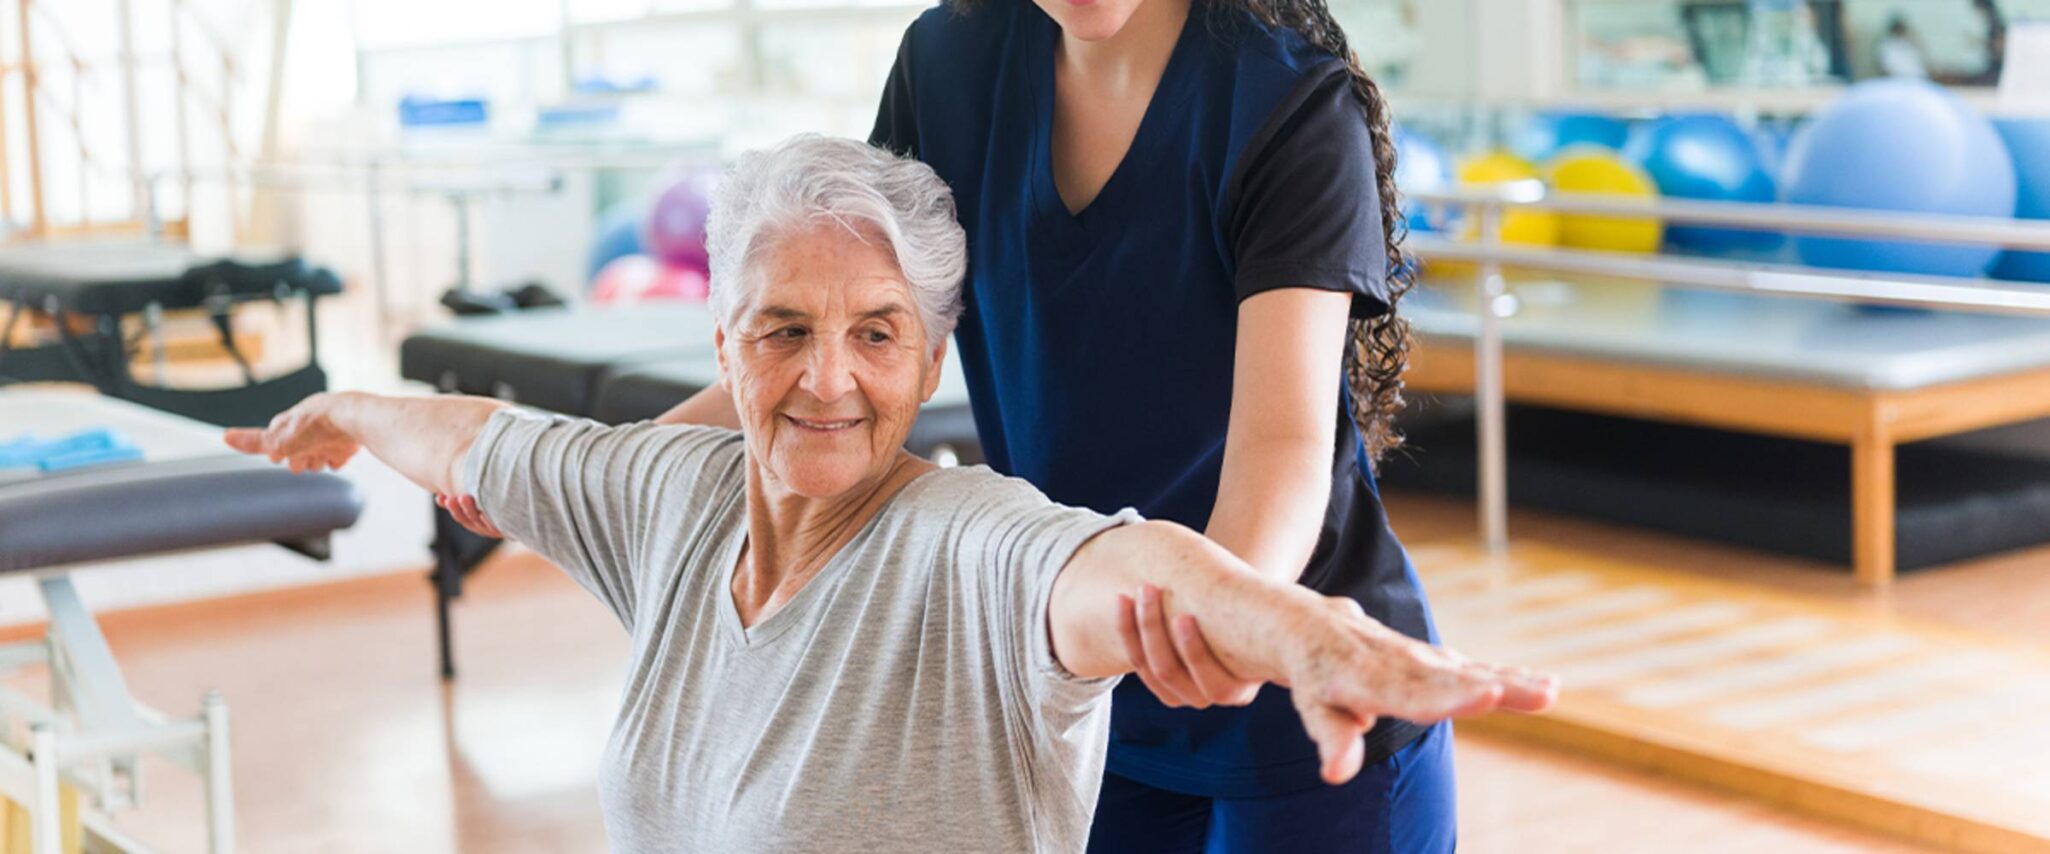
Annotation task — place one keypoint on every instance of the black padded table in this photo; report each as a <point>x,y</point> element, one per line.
<point>102,283</point>
<point>188,492</point>
<point>553,359</point>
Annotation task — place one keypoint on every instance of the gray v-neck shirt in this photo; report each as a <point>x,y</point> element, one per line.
<point>907,699</point>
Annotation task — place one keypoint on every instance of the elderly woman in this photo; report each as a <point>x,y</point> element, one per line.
<point>838,646</point>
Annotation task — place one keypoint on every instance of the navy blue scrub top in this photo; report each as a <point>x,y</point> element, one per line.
<point>1098,347</point>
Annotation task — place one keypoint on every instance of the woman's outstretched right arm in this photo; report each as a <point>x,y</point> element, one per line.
<point>422,438</point>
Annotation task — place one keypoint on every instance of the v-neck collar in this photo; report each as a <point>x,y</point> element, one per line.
<point>807,598</point>
<point>1167,96</point>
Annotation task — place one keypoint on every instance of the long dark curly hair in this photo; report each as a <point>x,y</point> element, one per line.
<point>1377,351</point>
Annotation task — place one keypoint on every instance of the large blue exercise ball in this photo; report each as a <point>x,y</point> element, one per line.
<point>2028,142</point>
<point>618,235</point>
<point>1900,145</point>
<point>1548,133</point>
<point>1705,157</point>
<point>1772,140</point>
<point>1421,166</point>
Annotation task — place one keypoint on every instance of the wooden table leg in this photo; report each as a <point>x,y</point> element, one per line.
<point>1872,506</point>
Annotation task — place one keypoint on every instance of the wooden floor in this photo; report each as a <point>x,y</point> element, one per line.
<point>345,740</point>
<point>1919,711</point>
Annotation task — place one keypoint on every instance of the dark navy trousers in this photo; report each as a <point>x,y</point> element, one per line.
<point>1403,805</point>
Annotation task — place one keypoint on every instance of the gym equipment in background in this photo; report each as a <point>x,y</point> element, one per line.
<point>84,744</point>
<point>675,228</point>
<point>1596,170</point>
<point>1900,145</point>
<point>2028,142</point>
<point>1706,156</point>
<point>1537,228</point>
<point>636,278</point>
<point>619,235</point>
<point>1548,133</point>
<point>1421,166</point>
<point>91,289</point>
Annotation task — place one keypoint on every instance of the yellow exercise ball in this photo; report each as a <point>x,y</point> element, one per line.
<point>1536,228</point>
<point>1596,170</point>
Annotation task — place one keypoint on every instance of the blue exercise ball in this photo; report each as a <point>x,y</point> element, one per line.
<point>1705,157</point>
<point>1900,145</point>
<point>2028,142</point>
<point>619,235</point>
<point>1547,133</point>
<point>1772,140</point>
<point>1421,166</point>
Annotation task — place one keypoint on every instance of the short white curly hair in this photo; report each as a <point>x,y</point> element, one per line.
<point>783,189</point>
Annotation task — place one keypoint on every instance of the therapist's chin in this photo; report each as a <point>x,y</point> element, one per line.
<point>1089,20</point>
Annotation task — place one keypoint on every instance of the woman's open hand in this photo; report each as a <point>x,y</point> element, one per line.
<point>1347,670</point>
<point>304,437</point>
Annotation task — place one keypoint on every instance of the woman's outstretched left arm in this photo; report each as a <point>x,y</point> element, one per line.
<point>1343,668</point>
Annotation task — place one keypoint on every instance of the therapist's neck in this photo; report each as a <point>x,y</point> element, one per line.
<point>1135,55</point>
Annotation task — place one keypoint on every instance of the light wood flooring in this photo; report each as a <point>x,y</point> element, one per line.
<point>345,741</point>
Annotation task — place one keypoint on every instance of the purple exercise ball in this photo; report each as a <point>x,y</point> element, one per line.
<point>675,228</point>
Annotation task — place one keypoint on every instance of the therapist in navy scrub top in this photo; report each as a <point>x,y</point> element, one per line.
<point>1182,298</point>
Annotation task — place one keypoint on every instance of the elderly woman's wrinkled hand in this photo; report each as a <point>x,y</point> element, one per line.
<point>1348,670</point>
<point>304,437</point>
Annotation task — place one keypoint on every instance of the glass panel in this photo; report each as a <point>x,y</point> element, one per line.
<point>1384,34</point>
<point>1689,44</point>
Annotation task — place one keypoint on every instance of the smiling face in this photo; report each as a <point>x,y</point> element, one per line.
<point>827,362</point>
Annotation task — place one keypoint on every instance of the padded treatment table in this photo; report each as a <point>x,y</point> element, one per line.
<point>98,285</point>
<point>553,359</point>
<point>188,492</point>
<point>614,365</point>
<point>1818,371</point>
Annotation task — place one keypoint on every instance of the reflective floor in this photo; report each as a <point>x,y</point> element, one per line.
<point>346,741</point>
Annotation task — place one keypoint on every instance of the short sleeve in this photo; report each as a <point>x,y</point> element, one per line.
<point>586,496</point>
<point>1021,541</point>
<point>896,128</point>
<point>1304,202</point>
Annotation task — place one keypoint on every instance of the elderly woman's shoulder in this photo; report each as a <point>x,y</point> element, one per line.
<point>975,486</point>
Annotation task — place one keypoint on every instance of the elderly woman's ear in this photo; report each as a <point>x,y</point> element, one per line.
<point>933,370</point>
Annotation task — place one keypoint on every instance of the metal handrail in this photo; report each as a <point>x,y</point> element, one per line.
<point>1937,292</point>
<point>1762,216</point>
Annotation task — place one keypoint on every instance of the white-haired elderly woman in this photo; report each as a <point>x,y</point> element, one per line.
<point>836,645</point>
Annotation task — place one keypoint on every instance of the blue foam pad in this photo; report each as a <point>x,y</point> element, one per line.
<point>88,447</point>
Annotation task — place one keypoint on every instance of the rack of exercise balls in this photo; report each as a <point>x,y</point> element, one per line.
<point>653,247</point>
<point>1959,219</point>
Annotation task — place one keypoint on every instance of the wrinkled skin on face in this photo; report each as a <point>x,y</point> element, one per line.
<point>827,362</point>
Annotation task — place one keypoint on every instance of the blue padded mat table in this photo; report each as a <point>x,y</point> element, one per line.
<point>1807,370</point>
<point>188,492</point>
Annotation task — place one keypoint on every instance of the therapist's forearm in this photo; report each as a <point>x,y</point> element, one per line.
<point>712,407</point>
<point>422,438</point>
<point>1271,502</point>
<point>1249,620</point>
